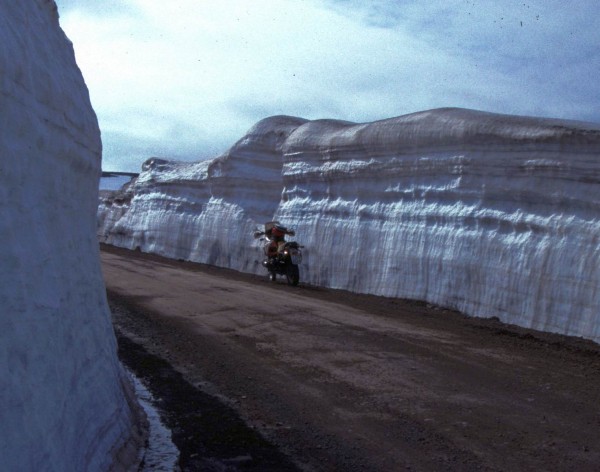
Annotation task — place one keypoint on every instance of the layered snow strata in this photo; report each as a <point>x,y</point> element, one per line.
<point>204,211</point>
<point>64,400</point>
<point>493,215</point>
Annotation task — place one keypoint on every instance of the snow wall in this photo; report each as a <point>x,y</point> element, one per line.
<point>489,214</point>
<point>65,404</point>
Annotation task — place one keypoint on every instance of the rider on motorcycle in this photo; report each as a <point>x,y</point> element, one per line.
<point>282,257</point>
<point>276,235</point>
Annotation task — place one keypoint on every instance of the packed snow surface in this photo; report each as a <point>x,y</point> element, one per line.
<point>489,214</point>
<point>64,405</point>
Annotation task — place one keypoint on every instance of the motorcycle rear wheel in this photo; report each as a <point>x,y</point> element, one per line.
<point>292,274</point>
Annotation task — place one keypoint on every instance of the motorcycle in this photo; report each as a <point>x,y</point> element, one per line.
<point>281,257</point>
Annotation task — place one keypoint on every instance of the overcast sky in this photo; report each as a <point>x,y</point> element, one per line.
<point>185,79</point>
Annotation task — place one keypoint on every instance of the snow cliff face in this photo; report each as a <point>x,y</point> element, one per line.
<point>492,215</point>
<point>63,404</point>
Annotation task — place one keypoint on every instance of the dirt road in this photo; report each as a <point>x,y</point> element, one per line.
<point>342,382</point>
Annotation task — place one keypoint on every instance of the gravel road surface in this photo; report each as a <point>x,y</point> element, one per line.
<point>274,377</point>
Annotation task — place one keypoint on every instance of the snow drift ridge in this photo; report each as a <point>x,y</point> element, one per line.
<point>490,214</point>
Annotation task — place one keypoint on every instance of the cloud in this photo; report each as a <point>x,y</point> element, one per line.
<point>96,8</point>
<point>186,79</point>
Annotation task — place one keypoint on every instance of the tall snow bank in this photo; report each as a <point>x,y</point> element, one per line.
<point>202,211</point>
<point>64,404</point>
<point>493,215</point>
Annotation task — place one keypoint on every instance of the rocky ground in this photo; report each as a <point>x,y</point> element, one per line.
<point>252,375</point>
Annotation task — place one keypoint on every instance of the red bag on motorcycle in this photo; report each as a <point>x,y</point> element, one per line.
<point>278,231</point>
